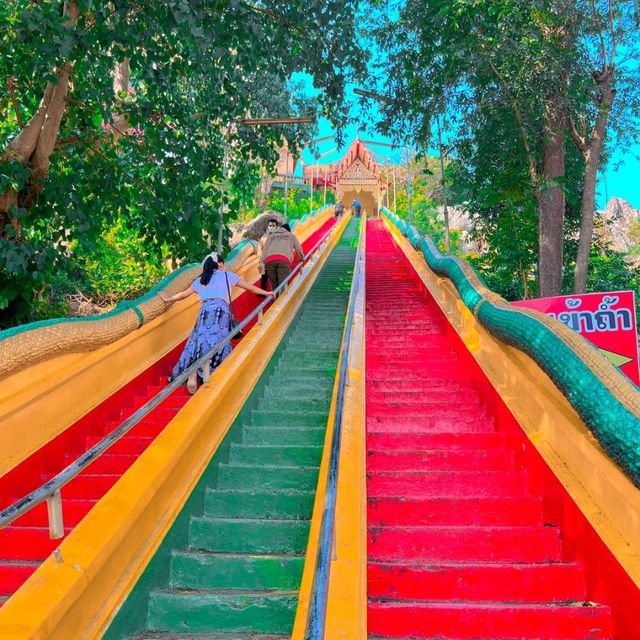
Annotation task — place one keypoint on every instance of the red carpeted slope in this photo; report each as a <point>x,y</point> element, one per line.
<point>26,543</point>
<point>459,543</point>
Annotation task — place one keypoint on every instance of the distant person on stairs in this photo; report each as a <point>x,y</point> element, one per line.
<point>214,288</point>
<point>277,254</point>
<point>356,207</point>
<point>338,210</point>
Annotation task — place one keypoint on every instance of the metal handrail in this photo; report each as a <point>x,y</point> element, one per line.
<point>49,492</point>
<point>316,616</point>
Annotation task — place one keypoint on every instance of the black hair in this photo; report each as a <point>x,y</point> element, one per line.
<point>208,269</point>
<point>274,220</point>
<point>286,226</point>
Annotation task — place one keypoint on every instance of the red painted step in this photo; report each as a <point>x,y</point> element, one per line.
<point>440,460</point>
<point>492,511</point>
<point>390,440</point>
<point>110,463</point>
<point>562,621</point>
<point>447,483</point>
<point>25,543</point>
<point>475,582</point>
<point>128,444</point>
<point>449,422</point>
<point>464,543</point>
<point>459,546</point>
<point>13,574</point>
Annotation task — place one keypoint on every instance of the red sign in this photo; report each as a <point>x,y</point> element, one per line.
<point>608,320</point>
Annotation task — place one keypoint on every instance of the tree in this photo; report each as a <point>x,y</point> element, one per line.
<point>532,69</point>
<point>477,55</point>
<point>122,108</point>
<point>606,45</point>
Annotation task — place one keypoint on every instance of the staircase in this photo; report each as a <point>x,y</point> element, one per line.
<point>237,572</point>
<point>458,546</point>
<point>25,544</point>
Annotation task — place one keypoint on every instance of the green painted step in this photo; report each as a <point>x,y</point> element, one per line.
<point>231,565</point>
<point>231,535</point>
<point>206,571</point>
<point>270,454</point>
<point>305,357</point>
<point>235,475</point>
<point>300,389</point>
<point>294,372</point>
<point>261,503</point>
<point>201,612</point>
<point>276,435</point>
<point>310,401</point>
<point>285,418</point>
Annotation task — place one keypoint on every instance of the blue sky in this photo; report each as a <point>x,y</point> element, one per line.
<point>621,179</point>
<point>624,181</point>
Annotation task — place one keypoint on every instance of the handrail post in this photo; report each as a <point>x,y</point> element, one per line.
<point>54,512</point>
<point>206,371</point>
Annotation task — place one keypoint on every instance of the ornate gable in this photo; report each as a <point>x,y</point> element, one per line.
<point>358,174</point>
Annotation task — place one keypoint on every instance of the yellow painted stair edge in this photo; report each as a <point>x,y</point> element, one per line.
<point>346,616</point>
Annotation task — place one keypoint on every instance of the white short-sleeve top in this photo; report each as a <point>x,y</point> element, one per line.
<point>217,287</point>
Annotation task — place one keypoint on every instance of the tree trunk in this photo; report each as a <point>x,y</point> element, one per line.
<point>121,77</point>
<point>592,164</point>
<point>551,203</point>
<point>35,142</point>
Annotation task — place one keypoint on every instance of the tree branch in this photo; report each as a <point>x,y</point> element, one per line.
<point>272,14</point>
<point>21,147</point>
<point>596,19</point>
<point>11,86</point>
<point>614,41</point>
<point>581,143</point>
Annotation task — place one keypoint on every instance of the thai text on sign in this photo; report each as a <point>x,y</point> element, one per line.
<point>608,320</point>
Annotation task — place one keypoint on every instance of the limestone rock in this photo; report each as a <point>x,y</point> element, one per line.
<point>461,220</point>
<point>255,229</point>
<point>618,221</point>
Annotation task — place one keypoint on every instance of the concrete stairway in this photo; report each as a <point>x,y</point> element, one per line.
<point>458,546</point>
<point>238,571</point>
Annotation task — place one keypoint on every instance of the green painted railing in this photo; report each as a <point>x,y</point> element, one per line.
<point>607,402</point>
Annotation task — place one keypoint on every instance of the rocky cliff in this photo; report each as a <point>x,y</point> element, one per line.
<point>620,226</point>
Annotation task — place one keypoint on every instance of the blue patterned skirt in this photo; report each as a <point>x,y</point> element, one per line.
<point>211,326</point>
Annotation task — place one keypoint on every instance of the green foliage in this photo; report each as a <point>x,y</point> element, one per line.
<point>426,196</point>
<point>119,265</point>
<point>612,271</point>
<point>298,201</point>
<point>195,68</point>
